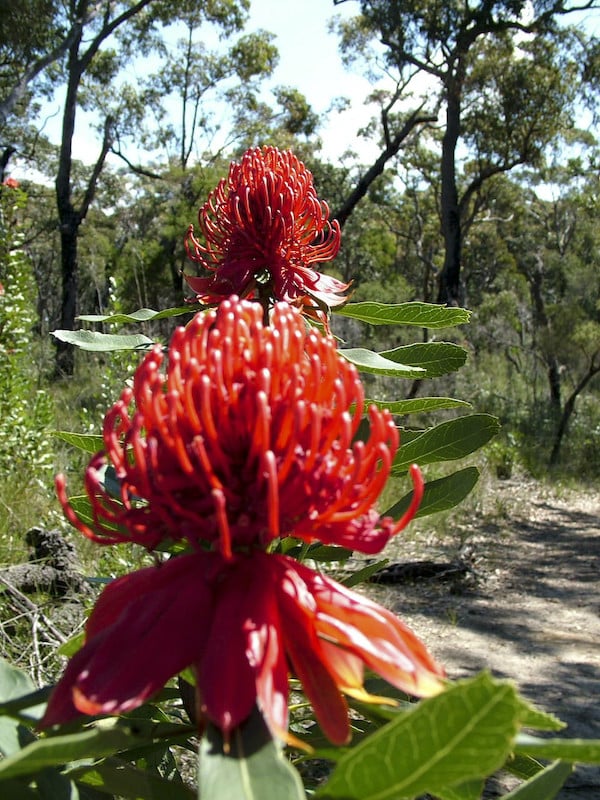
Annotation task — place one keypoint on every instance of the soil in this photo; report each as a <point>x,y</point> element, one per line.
<point>528,609</point>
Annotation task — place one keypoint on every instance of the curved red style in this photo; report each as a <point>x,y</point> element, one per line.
<point>263,231</point>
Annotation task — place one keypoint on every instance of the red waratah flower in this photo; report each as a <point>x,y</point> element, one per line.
<point>11,183</point>
<point>264,230</point>
<point>248,437</point>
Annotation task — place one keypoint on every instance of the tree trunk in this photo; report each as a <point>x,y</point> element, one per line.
<point>542,322</point>
<point>567,412</point>
<point>449,281</point>
<point>65,356</point>
<point>69,220</point>
<point>376,169</point>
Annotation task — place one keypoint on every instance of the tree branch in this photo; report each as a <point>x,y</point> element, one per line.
<point>362,187</point>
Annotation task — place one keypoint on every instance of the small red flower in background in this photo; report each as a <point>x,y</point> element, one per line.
<point>264,230</point>
<point>11,183</point>
<point>247,438</point>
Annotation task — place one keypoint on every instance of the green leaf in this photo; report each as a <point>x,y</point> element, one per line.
<point>448,441</point>
<point>82,506</point>
<point>29,707</point>
<point>72,645</point>
<point>13,685</point>
<point>118,777</point>
<point>424,315</point>
<point>368,361</point>
<point>104,342</point>
<point>253,769</point>
<point>13,682</point>
<point>436,358</point>
<point>545,785</point>
<point>104,738</point>
<point>582,750</point>
<point>88,442</point>
<point>440,495</point>
<point>470,790</point>
<point>320,552</point>
<point>524,767</point>
<point>462,735</point>
<point>142,315</point>
<point>418,404</point>
<point>534,717</point>
<point>363,574</point>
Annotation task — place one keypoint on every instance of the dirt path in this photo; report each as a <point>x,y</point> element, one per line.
<point>532,612</point>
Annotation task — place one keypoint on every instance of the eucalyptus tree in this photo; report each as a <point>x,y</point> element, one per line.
<point>502,76</point>
<point>562,267</point>
<point>85,50</point>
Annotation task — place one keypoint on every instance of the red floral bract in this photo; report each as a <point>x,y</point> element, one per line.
<point>264,228</point>
<point>248,437</point>
<point>240,623</point>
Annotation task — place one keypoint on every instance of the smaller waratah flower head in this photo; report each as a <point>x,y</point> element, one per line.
<point>249,435</point>
<point>263,231</point>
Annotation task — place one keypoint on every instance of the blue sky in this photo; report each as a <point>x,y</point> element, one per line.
<point>310,61</point>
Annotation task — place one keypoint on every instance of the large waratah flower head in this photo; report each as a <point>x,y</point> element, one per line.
<point>264,230</point>
<point>249,435</point>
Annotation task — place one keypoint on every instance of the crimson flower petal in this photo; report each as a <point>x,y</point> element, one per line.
<point>372,632</point>
<point>226,679</point>
<point>304,651</point>
<point>125,663</point>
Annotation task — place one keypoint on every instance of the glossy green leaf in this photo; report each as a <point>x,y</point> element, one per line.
<point>364,573</point>
<point>142,315</point>
<point>418,405</point>
<point>583,750</point>
<point>368,361</point>
<point>83,508</point>
<point>545,785</point>
<point>459,736</point>
<point>88,442</point>
<point>447,441</point>
<point>436,358</point>
<point>104,342</point>
<point>13,685</point>
<point>440,495</point>
<point>121,778</point>
<point>470,790</point>
<point>104,738</point>
<point>253,769</point>
<point>424,315</point>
